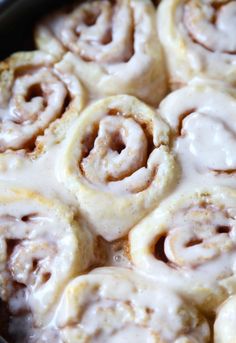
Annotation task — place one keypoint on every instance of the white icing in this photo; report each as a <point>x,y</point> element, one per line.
<point>196,129</point>
<point>33,96</point>
<point>207,141</point>
<point>198,38</point>
<point>105,42</point>
<point>38,241</point>
<point>218,36</point>
<point>224,326</point>
<point>115,305</point>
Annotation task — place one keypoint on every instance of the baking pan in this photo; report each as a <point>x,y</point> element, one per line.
<point>17,19</point>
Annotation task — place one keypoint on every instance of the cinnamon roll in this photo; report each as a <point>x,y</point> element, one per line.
<point>113,47</point>
<point>189,244</point>
<point>202,118</point>
<point>33,93</point>
<point>94,309</point>
<point>117,162</point>
<point>224,327</point>
<point>199,39</point>
<point>41,249</point>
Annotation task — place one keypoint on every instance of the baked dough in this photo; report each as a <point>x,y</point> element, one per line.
<point>116,160</point>
<point>117,305</point>
<point>114,48</point>
<point>199,39</point>
<point>33,93</point>
<point>189,244</point>
<point>41,249</point>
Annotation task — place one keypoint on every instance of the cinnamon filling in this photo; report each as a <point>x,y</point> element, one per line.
<point>193,241</point>
<point>117,143</point>
<point>35,91</point>
<point>90,18</point>
<point>11,244</point>
<point>181,120</point>
<point>159,249</point>
<point>88,141</point>
<point>223,229</point>
<point>29,217</point>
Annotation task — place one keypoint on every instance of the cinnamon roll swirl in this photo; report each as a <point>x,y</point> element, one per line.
<point>113,46</point>
<point>224,326</point>
<point>33,93</point>
<point>202,118</point>
<point>116,160</point>
<point>94,309</point>
<point>199,39</point>
<point>41,249</point>
<point>189,244</point>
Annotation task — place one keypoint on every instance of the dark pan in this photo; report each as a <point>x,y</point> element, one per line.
<point>17,19</point>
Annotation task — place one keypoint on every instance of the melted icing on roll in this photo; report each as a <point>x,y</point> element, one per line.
<point>41,249</point>
<point>203,120</point>
<point>200,234</point>
<point>200,34</point>
<point>118,165</point>
<point>93,31</point>
<point>33,94</point>
<point>189,243</point>
<point>113,47</point>
<point>211,24</point>
<point>224,326</point>
<point>94,309</point>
